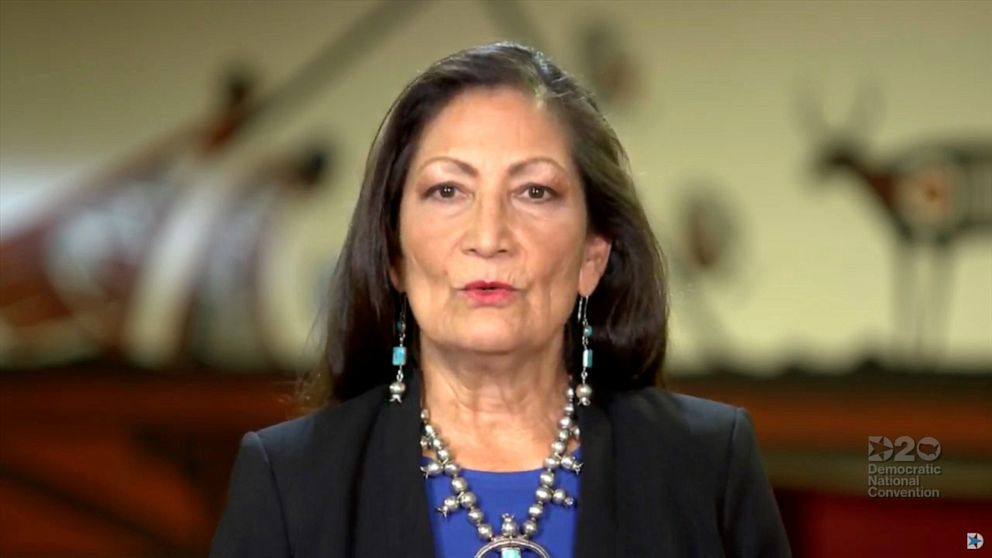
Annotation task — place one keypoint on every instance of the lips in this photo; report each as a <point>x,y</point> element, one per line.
<point>490,293</point>
<point>488,286</point>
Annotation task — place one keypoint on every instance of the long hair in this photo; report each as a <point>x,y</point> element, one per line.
<point>629,308</point>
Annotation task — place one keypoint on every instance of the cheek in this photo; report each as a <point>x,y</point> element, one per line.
<point>426,248</point>
<point>555,267</point>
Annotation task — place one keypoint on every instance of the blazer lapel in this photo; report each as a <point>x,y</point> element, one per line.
<point>596,529</point>
<point>393,517</point>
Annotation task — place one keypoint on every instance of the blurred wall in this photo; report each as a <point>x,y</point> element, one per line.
<point>719,87</point>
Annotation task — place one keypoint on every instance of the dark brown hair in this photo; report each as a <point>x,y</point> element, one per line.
<point>629,308</point>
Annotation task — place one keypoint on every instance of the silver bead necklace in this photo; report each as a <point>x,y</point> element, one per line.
<point>512,539</point>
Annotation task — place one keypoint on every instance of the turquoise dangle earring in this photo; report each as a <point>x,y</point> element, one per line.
<point>584,391</point>
<point>398,388</point>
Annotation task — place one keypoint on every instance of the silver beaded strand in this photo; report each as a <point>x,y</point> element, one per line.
<point>584,390</point>
<point>512,537</point>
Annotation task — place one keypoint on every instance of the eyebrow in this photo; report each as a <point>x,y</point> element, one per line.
<point>468,169</point>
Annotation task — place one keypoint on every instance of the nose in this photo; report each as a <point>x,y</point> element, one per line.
<point>488,232</point>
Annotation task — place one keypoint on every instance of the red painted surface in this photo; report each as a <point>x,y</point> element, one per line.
<point>827,525</point>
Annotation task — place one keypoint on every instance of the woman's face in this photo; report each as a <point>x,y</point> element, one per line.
<point>492,195</point>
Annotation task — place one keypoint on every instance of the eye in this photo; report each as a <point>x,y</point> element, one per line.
<point>446,190</point>
<point>539,192</point>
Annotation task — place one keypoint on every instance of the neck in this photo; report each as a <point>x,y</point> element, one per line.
<point>497,412</point>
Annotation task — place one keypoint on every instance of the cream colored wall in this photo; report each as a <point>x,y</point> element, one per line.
<point>84,83</point>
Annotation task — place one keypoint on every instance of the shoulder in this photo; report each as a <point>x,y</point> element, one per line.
<point>304,439</point>
<point>324,447</point>
<point>676,413</point>
<point>679,432</point>
<point>272,501</point>
<point>711,448</point>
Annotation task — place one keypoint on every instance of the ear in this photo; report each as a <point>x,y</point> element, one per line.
<point>396,276</point>
<point>595,256</point>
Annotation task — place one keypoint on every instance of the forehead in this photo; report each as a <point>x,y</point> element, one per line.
<point>498,122</point>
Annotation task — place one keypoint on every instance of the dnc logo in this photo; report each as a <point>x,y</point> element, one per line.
<point>881,448</point>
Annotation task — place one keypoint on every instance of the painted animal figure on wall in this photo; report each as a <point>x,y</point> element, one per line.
<point>932,194</point>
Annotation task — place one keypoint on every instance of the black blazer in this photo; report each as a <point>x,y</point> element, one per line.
<point>665,475</point>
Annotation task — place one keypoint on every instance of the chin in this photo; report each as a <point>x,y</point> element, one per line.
<point>489,340</point>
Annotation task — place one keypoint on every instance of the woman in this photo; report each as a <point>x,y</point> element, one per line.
<point>497,245</point>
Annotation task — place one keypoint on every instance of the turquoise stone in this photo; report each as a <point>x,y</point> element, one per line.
<point>510,553</point>
<point>587,331</point>
<point>399,356</point>
<point>587,358</point>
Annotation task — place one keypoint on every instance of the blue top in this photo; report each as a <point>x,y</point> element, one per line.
<point>499,493</point>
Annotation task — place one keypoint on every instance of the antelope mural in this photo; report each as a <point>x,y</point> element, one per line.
<point>932,194</point>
